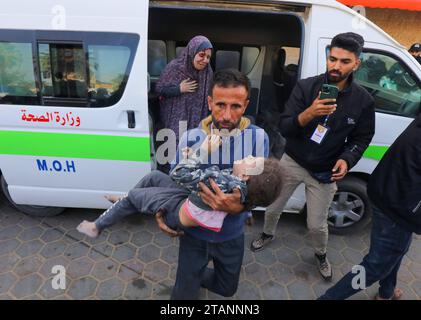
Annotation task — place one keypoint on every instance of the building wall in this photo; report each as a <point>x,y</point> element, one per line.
<point>403,25</point>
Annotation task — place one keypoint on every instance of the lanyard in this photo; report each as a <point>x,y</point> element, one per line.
<point>326,119</point>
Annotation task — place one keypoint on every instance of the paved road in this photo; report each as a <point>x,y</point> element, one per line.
<point>134,260</point>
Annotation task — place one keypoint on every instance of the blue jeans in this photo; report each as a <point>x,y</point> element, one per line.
<point>193,273</point>
<point>389,244</point>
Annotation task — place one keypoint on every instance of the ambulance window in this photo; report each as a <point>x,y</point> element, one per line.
<point>179,51</point>
<point>17,77</point>
<point>107,71</point>
<point>157,57</point>
<point>63,70</point>
<point>227,59</point>
<point>249,58</point>
<point>394,87</point>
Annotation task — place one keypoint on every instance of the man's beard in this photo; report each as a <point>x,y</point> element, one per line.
<point>227,127</point>
<point>337,78</point>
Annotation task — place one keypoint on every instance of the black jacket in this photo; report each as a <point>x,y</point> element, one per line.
<point>351,126</point>
<point>395,184</point>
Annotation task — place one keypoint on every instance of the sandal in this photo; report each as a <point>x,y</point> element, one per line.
<point>397,294</point>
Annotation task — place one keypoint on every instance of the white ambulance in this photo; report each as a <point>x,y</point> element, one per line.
<point>78,111</point>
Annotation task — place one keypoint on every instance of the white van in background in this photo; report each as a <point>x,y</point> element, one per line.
<point>78,111</point>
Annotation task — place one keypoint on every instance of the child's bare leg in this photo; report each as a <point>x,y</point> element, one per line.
<point>88,228</point>
<point>114,198</point>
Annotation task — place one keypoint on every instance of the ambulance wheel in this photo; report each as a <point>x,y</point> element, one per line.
<point>36,211</point>
<point>350,210</point>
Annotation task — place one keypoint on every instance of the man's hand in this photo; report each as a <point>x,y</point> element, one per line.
<point>339,170</point>
<point>317,109</point>
<point>220,201</point>
<point>164,228</point>
<point>211,143</point>
<point>187,152</point>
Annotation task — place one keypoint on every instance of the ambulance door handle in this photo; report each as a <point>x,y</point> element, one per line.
<point>131,119</point>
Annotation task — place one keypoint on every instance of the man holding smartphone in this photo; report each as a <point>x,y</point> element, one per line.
<point>327,131</point>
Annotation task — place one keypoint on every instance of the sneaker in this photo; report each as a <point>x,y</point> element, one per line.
<point>324,266</point>
<point>259,243</point>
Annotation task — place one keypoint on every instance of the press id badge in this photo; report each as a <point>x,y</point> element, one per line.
<point>319,133</point>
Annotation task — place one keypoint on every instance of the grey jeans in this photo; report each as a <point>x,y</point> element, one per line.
<point>154,192</point>
<point>318,197</point>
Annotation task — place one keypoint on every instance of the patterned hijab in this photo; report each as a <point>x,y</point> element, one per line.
<point>191,107</point>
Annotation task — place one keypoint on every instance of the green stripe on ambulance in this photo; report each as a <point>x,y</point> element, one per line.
<point>375,152</point>
<point>103,147</point>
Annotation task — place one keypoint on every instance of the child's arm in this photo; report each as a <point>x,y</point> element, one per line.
<point>194,158</point>
<point>187,152</point>
<point>210,144</point>
<point>188,173</point>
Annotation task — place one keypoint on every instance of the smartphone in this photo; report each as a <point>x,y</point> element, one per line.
<point>329,92</point>
<point>322,177</point>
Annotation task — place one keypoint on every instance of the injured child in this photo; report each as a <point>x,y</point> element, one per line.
<point>176,196</point>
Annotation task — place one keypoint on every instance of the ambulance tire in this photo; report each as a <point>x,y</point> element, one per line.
<point>35,211</point>
<point>355,204</point>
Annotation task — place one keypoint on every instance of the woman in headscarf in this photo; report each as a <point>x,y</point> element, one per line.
<point>183,86</point>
